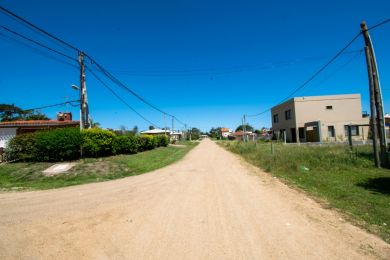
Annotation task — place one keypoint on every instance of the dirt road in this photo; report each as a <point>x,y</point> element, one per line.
<point>210,205</point>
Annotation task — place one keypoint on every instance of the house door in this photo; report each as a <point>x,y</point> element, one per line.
<point>294,135</point>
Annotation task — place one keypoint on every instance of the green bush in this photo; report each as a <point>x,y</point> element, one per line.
<point>61,144</point>
<point>125,144</point>
<point>45,146</point>
<point>97,142</point>
<point>146,142</point>
<point>162,140</point>
<point>21,147</point>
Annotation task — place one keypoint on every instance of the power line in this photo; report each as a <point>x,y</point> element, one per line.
<point>32,29</point>
<point>39,29</point>
<point>104,71</point>
<point>219,71</point>
<point>37,43</point>
<point>119,83</point>
<point>55,105</point>
<point>36,50</point>
<point>121,99</point>
<point>311,78</point>
<point>48,106</point>
<point>322,68</point>
<point>379,24</point>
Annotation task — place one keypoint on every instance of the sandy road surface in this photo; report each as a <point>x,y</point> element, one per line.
<point>210,205</point>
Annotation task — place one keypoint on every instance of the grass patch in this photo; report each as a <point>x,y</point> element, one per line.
<point>28,176</point>
<point>347,180</point>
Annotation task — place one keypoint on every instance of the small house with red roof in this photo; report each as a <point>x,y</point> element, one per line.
<point>8,130</point>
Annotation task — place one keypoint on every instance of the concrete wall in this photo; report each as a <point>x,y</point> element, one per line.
<point>336,111</point>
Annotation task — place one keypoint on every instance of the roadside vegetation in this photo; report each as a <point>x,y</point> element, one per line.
<point>29,176</point>
<point>105,156</point>
<point>346,179</point>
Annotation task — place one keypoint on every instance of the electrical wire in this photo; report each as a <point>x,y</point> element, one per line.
<point>121,99</point>
<point>32,29</point>
<point>311,78</point>
<point>55,105</point>
<point>38,43</point>
<point>109,75</point>
<point>119,83</point>
<point>219,71</point>
<point>36,50</point>
<point>39,29</point>
<point>48,106</point>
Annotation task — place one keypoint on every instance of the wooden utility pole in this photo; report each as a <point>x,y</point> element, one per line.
<point>165,125</point>
<point>173,121</point>
<point>244,127</point>
<point>81,88</point>
<point>374,129</point>
<point>374,77</point>
<point>84,110</point>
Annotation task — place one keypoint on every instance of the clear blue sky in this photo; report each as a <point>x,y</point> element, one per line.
<point>273,46</point>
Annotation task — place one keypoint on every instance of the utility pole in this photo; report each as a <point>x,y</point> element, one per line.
<point>244,128</point>
<point>81,87</point>
<point>173,121</point>
<point>374,77</point>
<point>84,110</point>
<point>374,129</point>
<point>165,125</point>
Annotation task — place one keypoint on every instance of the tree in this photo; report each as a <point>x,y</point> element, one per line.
<point>195,134</point>
<point>135,130</point>
<point>215,132</point>
<point>12,113</point>
<point>248,127</point>
<point>37,116</point>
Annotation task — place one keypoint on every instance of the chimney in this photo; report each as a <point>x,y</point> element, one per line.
<point>64,116</point>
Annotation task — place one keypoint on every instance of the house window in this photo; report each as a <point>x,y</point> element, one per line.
<point>354,130</point>
<point>329,107</point>
<point>276,118</point>
<point>287,114</point>
<point>331,131</point>
<point>301,131</point>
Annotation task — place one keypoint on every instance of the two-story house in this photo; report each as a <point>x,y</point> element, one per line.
<point>320,118</point>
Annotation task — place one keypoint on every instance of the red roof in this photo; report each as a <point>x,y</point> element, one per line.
<point>38,123</point>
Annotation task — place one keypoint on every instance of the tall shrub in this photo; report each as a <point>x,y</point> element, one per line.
<point>61,144</point>
<point>21,147</point>
<point>125,144</point>
<point>97,142</point>
<point>146,142</point>
<point>162,140</point>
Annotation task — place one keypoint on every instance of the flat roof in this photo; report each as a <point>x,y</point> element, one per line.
<point>319,98</point>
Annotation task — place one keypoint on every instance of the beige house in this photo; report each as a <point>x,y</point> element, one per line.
<point>320,119</point>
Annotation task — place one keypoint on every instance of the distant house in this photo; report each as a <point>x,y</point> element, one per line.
<point>173,135</point>
<point>320,118</point>
<point>225,132</point>
<point>8,130</point>
<point>239,135</point>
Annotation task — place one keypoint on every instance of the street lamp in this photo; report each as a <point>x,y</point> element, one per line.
<point>81,104</point>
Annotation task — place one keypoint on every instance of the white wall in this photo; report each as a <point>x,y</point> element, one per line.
<point>6,134</point>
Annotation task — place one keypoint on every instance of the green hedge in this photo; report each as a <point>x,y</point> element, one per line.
<point>57,145</point>
<point>21,147</point>
<point>97,142</point>
<point>64,144</point>
<point>125,144</point>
